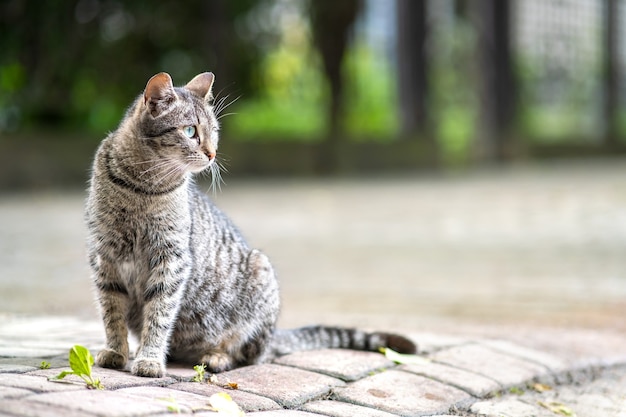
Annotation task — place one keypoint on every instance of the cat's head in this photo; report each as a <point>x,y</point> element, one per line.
<point>178,124</point>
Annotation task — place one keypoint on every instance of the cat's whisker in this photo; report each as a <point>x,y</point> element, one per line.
<point>217,106</point>
<point>222,106</point>
<point>224,115</point>
<point>219,103</point>
<point>162,164</point>
<point>216,178</point>
<point>147,161</point>
<point>218,94</point>
<point>172,170</point>
<point>221,166</point>
<point>159,163</point>
<point>224,161</point>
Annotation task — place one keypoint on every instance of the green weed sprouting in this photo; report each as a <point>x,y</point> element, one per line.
<point>200,372</point>
<point>81,362</point>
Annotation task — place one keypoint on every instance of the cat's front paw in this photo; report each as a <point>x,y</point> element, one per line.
<point>108,358</point>
<point>148,368</point>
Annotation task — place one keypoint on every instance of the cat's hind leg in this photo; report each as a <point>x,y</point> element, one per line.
<point>247,338</point>
<point>218,362</point>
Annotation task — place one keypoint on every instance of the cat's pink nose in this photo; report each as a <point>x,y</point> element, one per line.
<point>211,156</point>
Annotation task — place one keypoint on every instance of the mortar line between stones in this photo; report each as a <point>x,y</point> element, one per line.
<point>448,383</point>
<point>460,368</point>
<point>519,356</point>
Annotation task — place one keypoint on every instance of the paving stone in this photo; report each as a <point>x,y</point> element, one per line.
<point>171,397</point>
<point>283,413</point>
<point>553,363</point>
<point>289,387</point>
<point>581,348</point>
<point>597,404</point>
<point>15,369</point>
<point>403,393</point>
<point>473,383</point>
<point>110,378</point>
<point>348,365</point>
<point>10,392</point>
<point>341,409</point>
<point>431,342</point>
<point>21,408</point>
<point>26,351</point>
<point>507,370</point>
<point>245,400</point>
<point>180,372</point>
<point>36,383</point>
<point>605,397</point>
<point>35,362</point>
<point>102,403</point>
<point>509,408</point>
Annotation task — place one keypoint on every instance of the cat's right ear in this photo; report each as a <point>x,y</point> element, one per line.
<point>159,93</point>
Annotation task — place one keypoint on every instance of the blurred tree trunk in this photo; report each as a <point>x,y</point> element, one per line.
<point>412,68</point>
<point>331,22</point>
<point>216,34</point>
<point>611,73</point>
<point>496,84</point>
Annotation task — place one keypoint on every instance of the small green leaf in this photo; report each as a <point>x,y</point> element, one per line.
<point>81,360</point>
<point>44,365</point>
<point>62,375</point>
<point>403,358</point>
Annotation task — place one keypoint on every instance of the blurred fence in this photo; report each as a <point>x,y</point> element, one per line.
<point>425,80</point>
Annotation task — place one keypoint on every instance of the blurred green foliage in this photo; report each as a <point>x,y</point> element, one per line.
<point>289,103</point>
<point>77,65</point>
<point>454,98</point>
<point>371,96</point>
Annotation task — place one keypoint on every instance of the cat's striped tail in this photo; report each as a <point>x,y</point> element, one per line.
<point>323,337</point>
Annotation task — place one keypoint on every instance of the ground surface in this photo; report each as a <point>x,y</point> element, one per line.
<point>547,373</point>
<point>538,244</point>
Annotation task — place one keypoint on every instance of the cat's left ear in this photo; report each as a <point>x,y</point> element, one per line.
<point>201,85</point>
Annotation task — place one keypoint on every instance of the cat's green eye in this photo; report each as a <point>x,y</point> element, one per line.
<point>189,131</point>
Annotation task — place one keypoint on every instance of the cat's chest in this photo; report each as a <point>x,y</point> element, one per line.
<point>154,246</point>
<point>139,238</point>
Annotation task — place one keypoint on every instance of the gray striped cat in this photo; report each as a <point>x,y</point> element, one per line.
<point>167,264</point>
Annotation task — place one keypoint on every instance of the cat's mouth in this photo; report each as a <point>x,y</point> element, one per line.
<point>199,165</point>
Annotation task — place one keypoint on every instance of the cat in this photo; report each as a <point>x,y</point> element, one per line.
<point>168,265</point>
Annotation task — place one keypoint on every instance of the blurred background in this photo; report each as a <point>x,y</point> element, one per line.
<point>338,86</point>
<point>397,158</point>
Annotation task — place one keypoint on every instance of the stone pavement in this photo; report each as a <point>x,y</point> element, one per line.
<point>545,372</point>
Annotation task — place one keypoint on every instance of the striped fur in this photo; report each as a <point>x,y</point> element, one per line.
<point>167,264</point>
